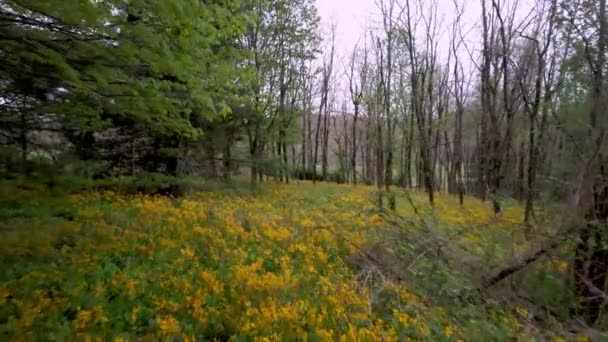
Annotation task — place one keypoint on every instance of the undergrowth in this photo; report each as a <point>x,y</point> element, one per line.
<point>316,262</point>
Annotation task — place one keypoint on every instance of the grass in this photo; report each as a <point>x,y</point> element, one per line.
<point>316,262</point>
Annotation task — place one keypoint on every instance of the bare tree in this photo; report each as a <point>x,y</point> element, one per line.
<point>421,85</point>
<point>534,98</point>
<point>355,88</point>
<point>387,10</point>
<point>378,101</point>
<point>458,94</point>
<point>326,74</point>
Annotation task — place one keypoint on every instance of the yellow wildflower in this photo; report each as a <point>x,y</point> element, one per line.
<point>187,252</point>
<point>83,318</point>
<point>130,286</point>
<point>448,331</point>
<point>169,325</point>
<point>134,313</point>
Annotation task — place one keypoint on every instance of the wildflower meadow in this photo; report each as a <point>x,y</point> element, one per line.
<point>280,262</point>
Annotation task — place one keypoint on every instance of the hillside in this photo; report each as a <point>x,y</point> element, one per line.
<point>318,262</point>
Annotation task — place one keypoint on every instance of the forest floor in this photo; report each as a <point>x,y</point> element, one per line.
<point>316,261</point>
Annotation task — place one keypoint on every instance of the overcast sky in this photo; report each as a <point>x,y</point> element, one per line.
<point>352,16</point>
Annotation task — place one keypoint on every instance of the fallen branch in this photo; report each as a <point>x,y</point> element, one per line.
<point>530,259</point>
<point>443,245</point>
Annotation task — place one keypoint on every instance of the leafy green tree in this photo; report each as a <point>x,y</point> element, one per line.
<point>152,66</point>
<point>280,38</point>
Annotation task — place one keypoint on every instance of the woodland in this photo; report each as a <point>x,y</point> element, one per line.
<point>222,170</point>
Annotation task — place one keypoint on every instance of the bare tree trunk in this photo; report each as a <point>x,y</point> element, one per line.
<point>354,145</point>
<point>402,177</point>
<point>531,169</point>
<point>325,150</point>
<point>317,131</point>
<point>485,104</point>
<point>387,18</point>
<point>533,110</point>
<point>323,112</point>
<point>344,157</point>
<point>379,102</point>
<point>285,160</point>
<point>521,171</point>
<point>227,158</point>
<point>458,93</point>
<point>370,175</point>
<point>458,135</point>
<point>303,167</point>
<point>424,130</point>
<point>408,152</point>
<point>356,96</point>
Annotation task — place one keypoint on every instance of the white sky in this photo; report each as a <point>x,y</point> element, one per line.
<point>352,16</point>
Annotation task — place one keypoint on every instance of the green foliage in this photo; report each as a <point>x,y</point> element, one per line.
<point>154,64</point>
<point>281,40</point>
<point>160,74</point>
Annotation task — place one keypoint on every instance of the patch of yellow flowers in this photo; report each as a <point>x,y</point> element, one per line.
<point>211,265</point>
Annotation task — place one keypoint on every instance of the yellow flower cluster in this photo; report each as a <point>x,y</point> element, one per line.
<point>268,265</point>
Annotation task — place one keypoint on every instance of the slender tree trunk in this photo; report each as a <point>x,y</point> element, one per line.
<point>325,150</point>
<point>345,159</point>
<point>531,169</point>
<point>227,155</point>
<point>304,143</point>
<point>485,105</point>
<point>458,153</point>
<point>285,160</point>
<point>408,152</point>
<point>402,176</point>
<point>317,133</point>
<point>354,145</point>
<point>379,161</point>
<point>521,173</point>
